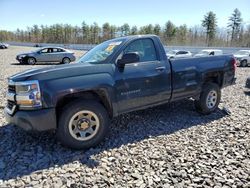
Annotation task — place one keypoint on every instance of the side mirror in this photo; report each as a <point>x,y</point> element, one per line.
<point>128,58</point>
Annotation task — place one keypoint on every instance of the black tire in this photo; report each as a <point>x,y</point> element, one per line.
<point>201,104</point>
<point>243,63</point>
<point>31,61</point>
<point>69,111</point>
<point>66,60</point>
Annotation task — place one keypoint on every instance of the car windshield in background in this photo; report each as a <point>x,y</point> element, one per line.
<point>242,53</point>
<point>172,52</point>
<point>37,50</point>
<point>204,52</point>
<point>101,52</point>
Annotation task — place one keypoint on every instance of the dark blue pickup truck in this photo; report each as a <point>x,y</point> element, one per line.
<point>117,76</point>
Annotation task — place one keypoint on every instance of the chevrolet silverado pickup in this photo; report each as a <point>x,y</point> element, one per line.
<point>121,75</point>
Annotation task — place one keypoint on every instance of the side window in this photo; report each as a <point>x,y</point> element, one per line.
<point>182,52</point>
<point>144,47</point>
<point>50,50</point>
<point>57,50</point>
<point>44,51</point>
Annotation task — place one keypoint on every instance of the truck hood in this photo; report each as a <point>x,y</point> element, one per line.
<point>61,71</point>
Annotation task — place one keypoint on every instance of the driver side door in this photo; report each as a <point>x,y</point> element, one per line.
<point>145,82</point>
<point>43,55</point>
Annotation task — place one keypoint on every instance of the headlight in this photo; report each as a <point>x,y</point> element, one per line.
<point>21,56</point>
<point>28,94</point>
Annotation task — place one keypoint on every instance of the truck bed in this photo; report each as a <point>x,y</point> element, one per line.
<point>188,74</point>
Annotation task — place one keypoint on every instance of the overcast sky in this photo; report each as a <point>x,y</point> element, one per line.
<point>22,13</point>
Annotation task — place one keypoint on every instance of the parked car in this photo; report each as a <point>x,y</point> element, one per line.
<point>173,54</point>
<point>117,76</point>
<point>47,54</point>
<point>208,52</point>
<point>248,82</point>
<point>3,45</point>
<point>243,58</point>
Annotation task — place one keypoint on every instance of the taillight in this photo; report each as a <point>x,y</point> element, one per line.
<point>234,63</point>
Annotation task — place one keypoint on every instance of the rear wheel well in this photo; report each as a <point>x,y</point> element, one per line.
<point>214,77</point>
<point>97,95</point>
<point>65,58</point>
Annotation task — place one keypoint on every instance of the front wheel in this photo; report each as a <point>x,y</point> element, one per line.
<point>82,124</point>
<point>66,60</point>
<point>209,99</point>
<point>244,63</point>
<point>31,61</point>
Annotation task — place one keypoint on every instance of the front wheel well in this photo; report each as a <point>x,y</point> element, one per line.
<point>66,57</point>
<point>27,57</point>
<point>97,95</point>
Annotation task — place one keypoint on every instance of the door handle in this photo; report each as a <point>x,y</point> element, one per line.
<point>160,68</point>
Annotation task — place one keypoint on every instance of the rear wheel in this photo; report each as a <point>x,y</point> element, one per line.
<point>244,63</point>
<point>82,124</point>
<point>31,61</point>
<point>66,60</point>
<point>209,99</point>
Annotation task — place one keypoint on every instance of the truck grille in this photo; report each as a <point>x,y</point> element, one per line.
<point>12,88</point>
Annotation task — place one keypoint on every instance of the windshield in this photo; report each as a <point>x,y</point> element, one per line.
<point>101,52</point>
<point>204,52</point>
<point>172,52</point>
<point>242,53</point>
<point>37,50</point>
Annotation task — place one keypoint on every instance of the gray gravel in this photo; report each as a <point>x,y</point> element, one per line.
<point>166,146</point>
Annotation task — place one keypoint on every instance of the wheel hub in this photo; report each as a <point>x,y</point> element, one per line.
<point>211,99</point>
<point>83,124</point>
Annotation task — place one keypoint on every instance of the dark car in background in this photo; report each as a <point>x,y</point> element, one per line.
<point>3,45</point>
<point>47,54</point>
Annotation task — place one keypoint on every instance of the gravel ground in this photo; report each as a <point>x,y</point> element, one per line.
<point>166,146</point>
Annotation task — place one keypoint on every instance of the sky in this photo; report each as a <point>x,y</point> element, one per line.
<point>22,13</point>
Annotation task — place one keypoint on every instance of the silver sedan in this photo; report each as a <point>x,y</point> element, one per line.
<point>47,54</point>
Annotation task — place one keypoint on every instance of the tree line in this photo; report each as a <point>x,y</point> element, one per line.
<point>207,33</point>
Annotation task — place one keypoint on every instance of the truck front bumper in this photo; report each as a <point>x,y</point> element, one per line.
<point>37,120</point>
